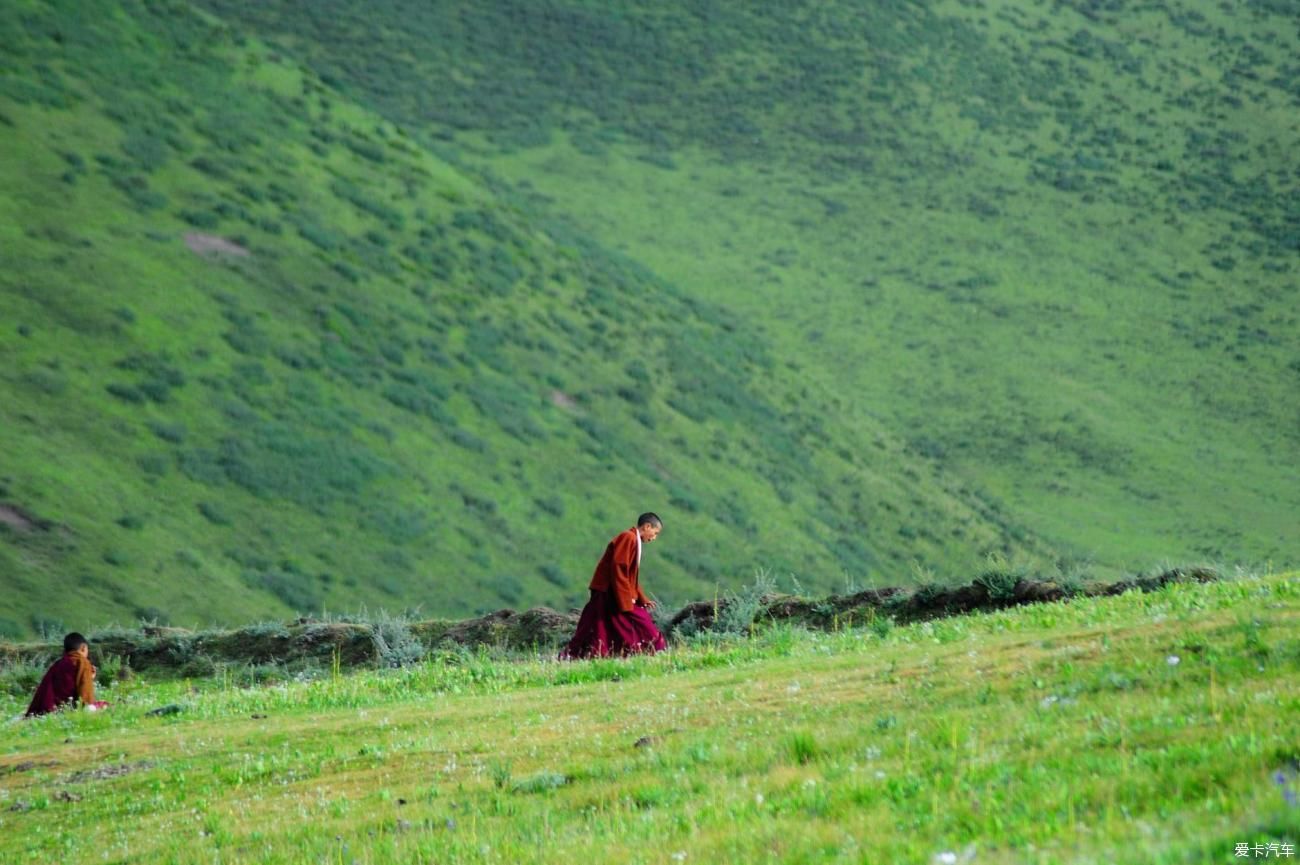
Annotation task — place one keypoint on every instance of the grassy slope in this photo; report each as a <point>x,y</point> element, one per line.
<point>411,392</point>
<point>1056,733</point>
<point>1054,249</point>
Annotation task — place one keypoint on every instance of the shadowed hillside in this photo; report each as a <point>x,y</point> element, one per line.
<point>263,350</point>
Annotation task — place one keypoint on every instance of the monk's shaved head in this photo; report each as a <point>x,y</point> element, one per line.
<point>649,519</point>
<point>74,641</point>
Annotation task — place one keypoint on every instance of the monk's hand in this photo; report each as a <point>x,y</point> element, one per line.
<point>649,604</point>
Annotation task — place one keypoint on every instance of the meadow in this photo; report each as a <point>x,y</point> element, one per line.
<point>1156,727</point>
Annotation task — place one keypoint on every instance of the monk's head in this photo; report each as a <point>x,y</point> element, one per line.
<point>648,526</point>
<point>74,642</point>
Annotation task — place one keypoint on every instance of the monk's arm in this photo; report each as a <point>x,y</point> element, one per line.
<point>625,588</point>
<point>85,683</point>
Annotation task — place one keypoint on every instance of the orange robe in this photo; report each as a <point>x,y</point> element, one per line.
<point>618,571</point>
<point>69,680</point>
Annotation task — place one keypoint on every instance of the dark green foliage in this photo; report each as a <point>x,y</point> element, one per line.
<point>298,591</point>
<point>999,584</point>
<point>275,460</point>
<point>552,504</point>
<point>134,522</point>
<point>555,576</point>
<point>214,514</point>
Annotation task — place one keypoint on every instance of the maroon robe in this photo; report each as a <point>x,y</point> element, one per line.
<point>616,620</point>
<point>70,680</point>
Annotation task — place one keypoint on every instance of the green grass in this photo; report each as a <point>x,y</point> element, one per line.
<point>1052,250</point>
<point>842,292</point>
<point>411,393</point>
<point>1053,733</point>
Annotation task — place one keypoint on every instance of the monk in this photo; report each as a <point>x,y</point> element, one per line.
<point>616,621</point>
<point>69,681</point>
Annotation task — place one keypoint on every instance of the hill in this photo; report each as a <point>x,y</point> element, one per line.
<point>1051,247</point>
<point>266,351</point>
<point>1152,727</point>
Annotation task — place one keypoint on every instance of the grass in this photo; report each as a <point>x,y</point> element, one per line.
<point>837,291</point>
<point>414,390</point>
<point>1055,733</point>
<point>1050,263</point>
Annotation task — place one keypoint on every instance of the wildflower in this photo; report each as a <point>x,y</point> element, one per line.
<point>947,857</point>
<point>679,856</point>
<point>1172,660</point>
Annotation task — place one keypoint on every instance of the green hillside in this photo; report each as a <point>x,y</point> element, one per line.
<point>397,304</point>
<point>1051,247</point>
<point>264,351</point>
<point>1159,728</point>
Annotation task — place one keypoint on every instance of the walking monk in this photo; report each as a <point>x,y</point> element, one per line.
<point>70,680</point>
<point>616,621</point>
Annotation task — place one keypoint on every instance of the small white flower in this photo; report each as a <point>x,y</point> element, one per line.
<point>880,775</point>
<point>1172,660</point>
<point>758,798</point>
<point>809,783</point>
<point>679,856</point>
<point>947,857</point>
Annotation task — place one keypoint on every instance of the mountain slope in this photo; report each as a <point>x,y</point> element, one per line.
<point>263,350</point>
<point>1053,250</point>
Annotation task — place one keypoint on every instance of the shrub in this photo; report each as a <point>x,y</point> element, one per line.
<point>395,645</point>
<point>168,432</point>
<point>298,591</point>
<point>554,575</point>
<point>198,667</point>
<point>736,614</point>
<point>156,465</point>
<point>19,679</point>
<point>130,521</point>
<point>553,505</point>
<point>48,629</point>
<point>126,392</point>
<point>1001,585</point>
<point>214,514</point>
<point>109,670</point>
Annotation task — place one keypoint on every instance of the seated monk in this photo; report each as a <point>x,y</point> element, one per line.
<point>616,621</point>
<point>69,681</point>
